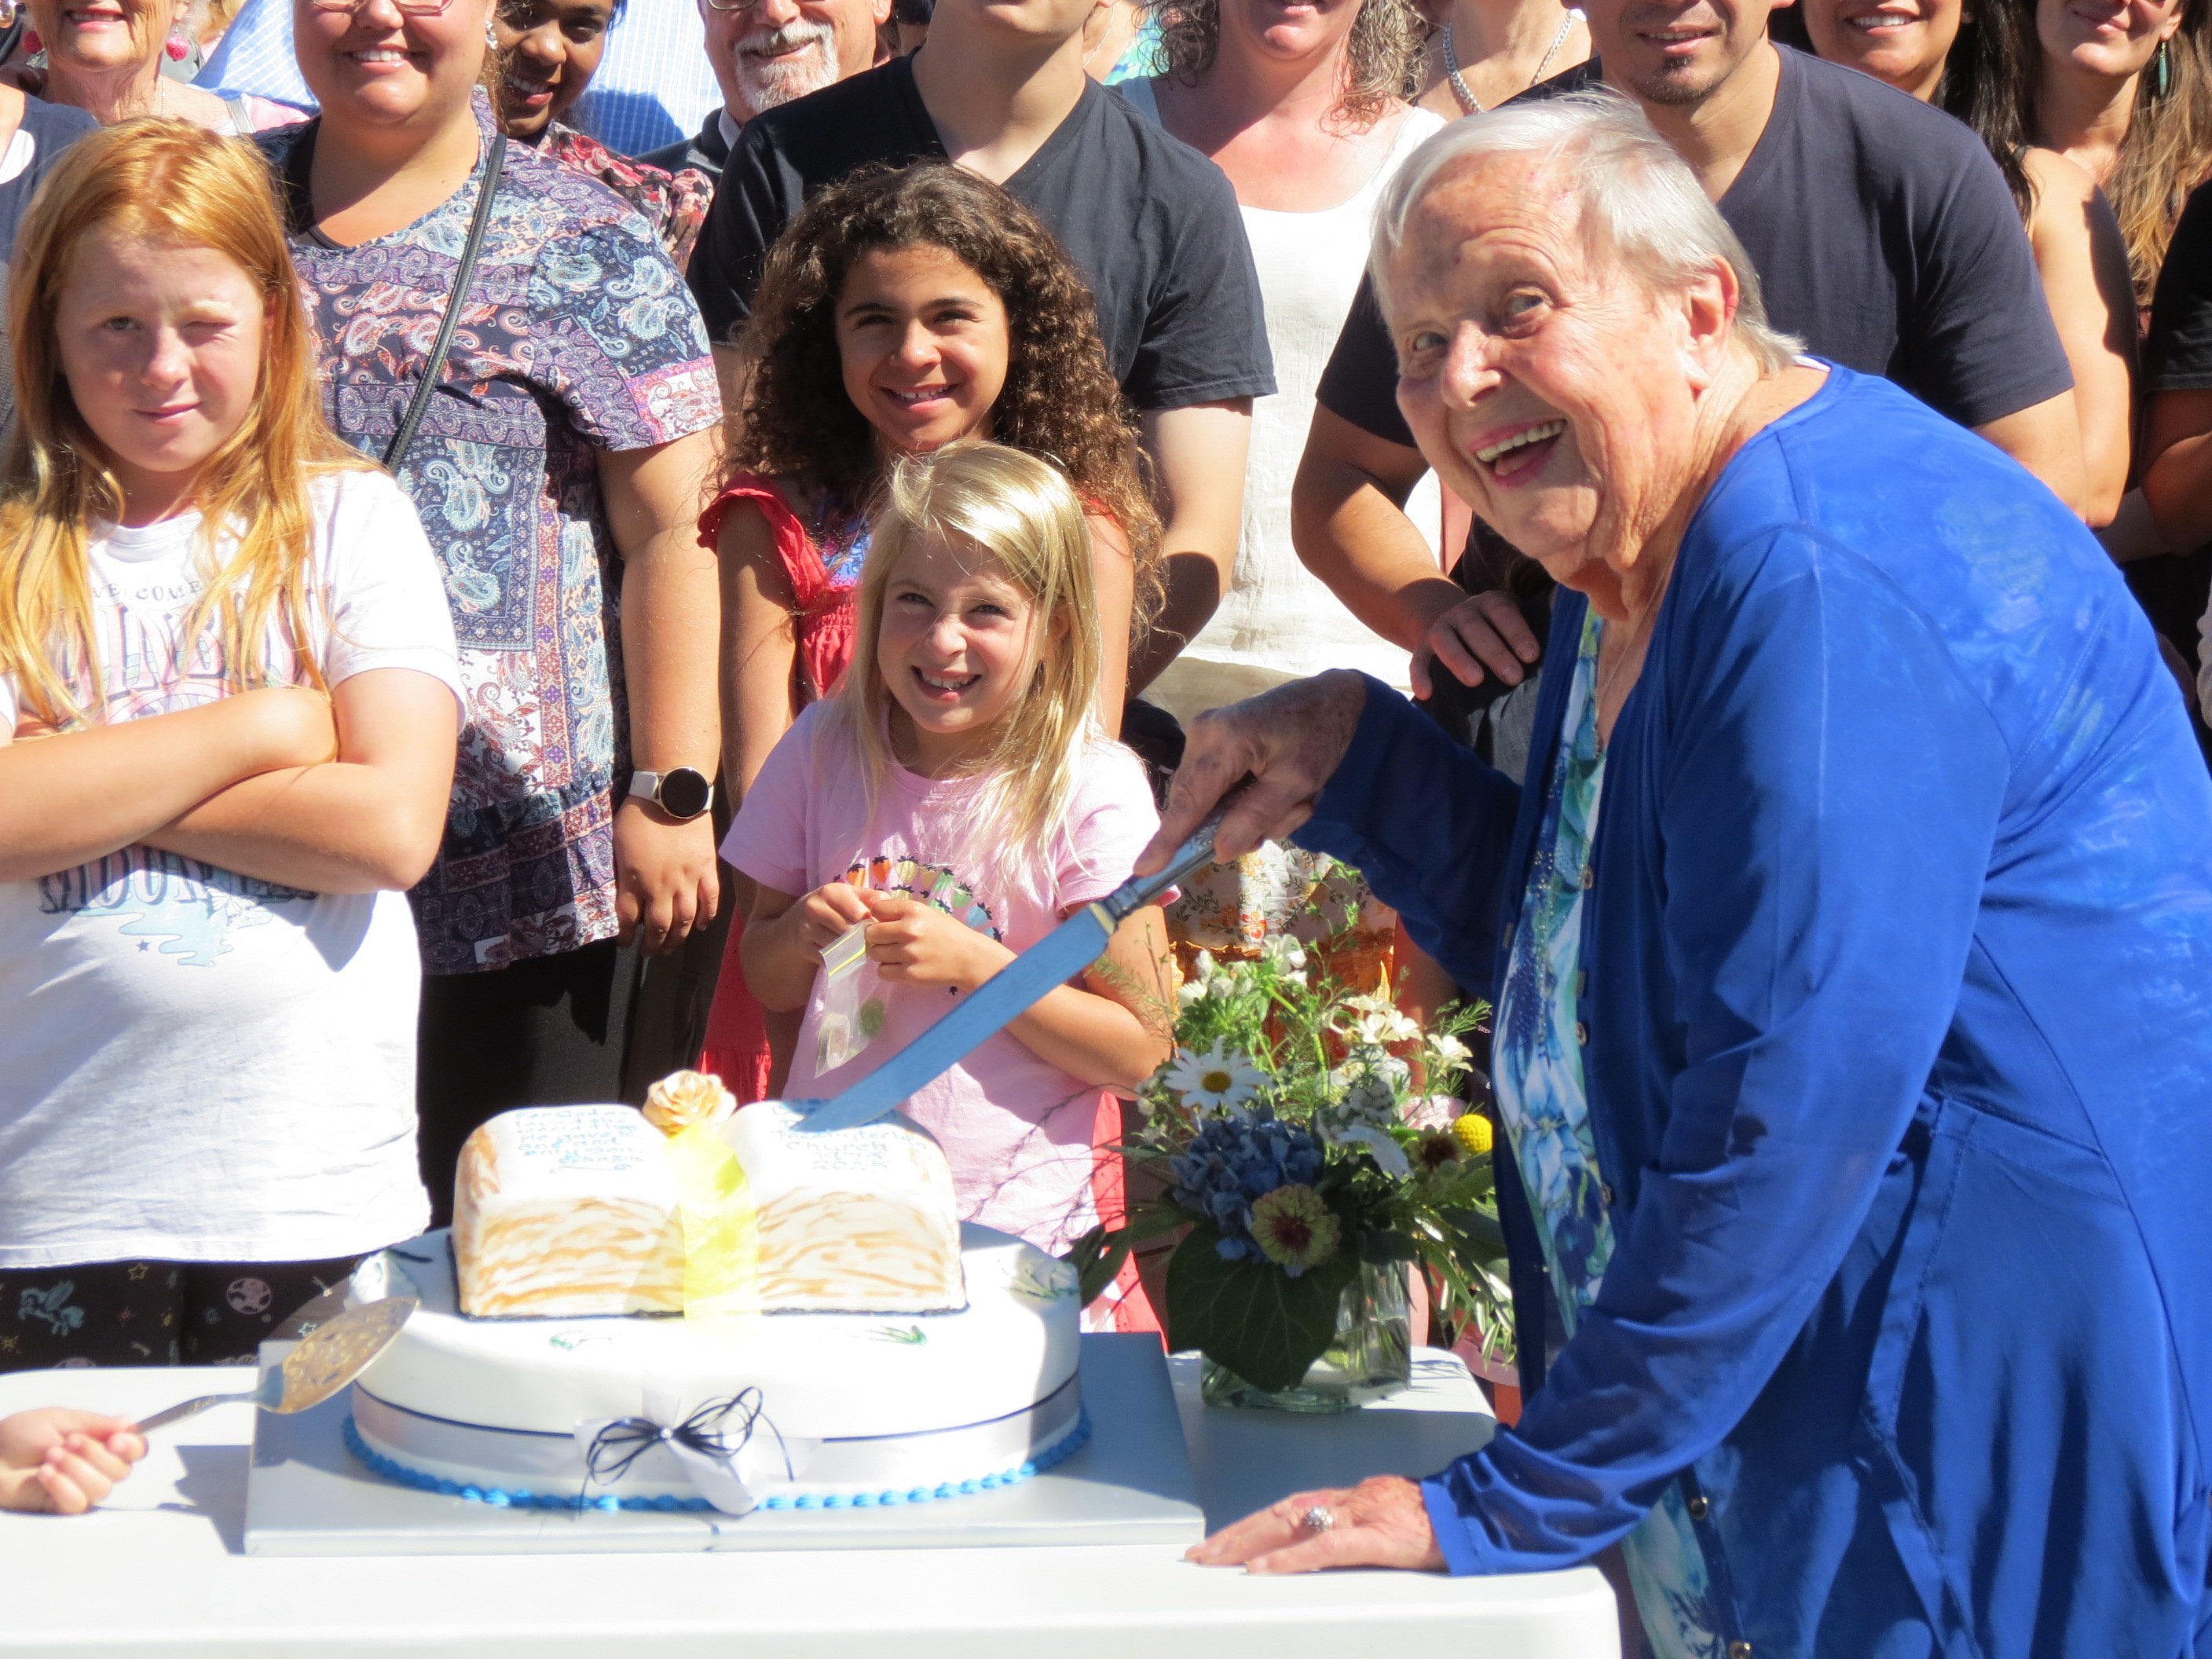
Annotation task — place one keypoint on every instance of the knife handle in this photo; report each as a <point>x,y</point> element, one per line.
<point>1194,855</point>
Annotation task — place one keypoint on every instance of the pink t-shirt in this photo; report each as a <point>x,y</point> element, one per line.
<point>1017,1129</point>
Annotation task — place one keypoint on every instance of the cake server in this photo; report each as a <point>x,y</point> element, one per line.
<point>1052,961</point>
<point>327,1359</point>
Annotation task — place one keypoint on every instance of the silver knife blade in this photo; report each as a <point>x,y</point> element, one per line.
<point>1054,960</point>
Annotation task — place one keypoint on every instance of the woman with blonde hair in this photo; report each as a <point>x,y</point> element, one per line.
<point>107,61</point>
<point>1306,111</point>
<point>228,708</point>
<point>954,801</point>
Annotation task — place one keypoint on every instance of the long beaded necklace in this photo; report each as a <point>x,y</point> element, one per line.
<point>1465,94</point>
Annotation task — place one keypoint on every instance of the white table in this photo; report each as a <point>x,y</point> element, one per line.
<point>161,1570</point>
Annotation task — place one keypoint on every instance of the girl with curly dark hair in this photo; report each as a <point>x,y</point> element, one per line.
<point>903,309</point>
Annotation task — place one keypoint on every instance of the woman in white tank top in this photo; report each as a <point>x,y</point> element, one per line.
<point>1303,111</point>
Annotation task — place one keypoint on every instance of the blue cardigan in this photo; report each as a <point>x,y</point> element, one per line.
<point>1898,997</point>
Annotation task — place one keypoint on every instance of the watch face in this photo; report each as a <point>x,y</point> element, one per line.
<point>684,793</point>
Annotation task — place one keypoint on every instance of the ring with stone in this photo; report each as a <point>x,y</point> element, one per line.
<point>1318,1519</point>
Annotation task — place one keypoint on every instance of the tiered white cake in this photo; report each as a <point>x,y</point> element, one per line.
<point>902,1356</point>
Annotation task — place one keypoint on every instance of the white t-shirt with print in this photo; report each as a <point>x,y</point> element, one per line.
<point>195,1065</point>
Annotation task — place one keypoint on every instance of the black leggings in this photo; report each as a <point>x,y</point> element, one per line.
<point>152,1313</point>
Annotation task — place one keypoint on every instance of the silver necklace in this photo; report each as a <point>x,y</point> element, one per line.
<point>1465,94</point>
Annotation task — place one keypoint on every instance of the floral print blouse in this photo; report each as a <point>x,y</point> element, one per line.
<point>1536,1069</point>
<point>577,335</point>
<point>675,203</point>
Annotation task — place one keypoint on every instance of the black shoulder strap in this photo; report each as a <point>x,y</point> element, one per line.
<point>395,452</point>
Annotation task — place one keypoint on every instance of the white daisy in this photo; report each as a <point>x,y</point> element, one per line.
<point>1213,1081</point>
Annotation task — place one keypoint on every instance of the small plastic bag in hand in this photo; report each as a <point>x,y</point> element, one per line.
<point>852,1001</point>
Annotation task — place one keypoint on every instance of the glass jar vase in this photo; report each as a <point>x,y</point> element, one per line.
<point>1372,1358</point>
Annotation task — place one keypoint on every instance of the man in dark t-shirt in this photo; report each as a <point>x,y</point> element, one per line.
<point>1883,234</point>
<point>999,89</point>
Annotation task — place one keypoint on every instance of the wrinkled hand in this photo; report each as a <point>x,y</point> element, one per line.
<point>1482,632</point>
<point>666,882</point>
<point>62,1461</point>
<point>828,913</point>
<point>1381,1522</point>
<point>1290,740</point>
<point>917,944</point>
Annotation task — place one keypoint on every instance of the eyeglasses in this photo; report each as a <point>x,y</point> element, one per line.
<point>732,5</point>
<point>406,8</point>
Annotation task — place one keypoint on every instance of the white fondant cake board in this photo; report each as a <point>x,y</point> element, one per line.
<point>306,1495</point>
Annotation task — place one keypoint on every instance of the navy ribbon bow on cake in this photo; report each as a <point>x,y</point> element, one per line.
<point>719,1446</point>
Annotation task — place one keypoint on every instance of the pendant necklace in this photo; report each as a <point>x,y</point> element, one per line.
<point>1465,94</point>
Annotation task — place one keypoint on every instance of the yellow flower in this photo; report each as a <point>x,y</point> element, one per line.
<point>1294,1229</point>
<point>684,1099</point>
<point>1474,1132</point>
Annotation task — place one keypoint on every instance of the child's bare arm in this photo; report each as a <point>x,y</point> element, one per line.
<point>785,933</point>
<point>1112,1031</point>
<point>79,796</point>
<point>62,1462</point>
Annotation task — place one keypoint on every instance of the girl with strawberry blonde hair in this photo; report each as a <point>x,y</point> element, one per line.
<point>227,711</point>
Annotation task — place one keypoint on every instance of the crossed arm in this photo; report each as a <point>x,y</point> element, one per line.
<point>342,794</point>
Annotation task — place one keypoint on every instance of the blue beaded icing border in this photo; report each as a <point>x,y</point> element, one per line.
<point>500,1497</point>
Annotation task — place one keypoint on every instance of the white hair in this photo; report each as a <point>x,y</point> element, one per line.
<point>1638,197</point>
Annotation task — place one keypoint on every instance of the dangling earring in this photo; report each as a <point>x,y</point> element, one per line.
<point>2161,80</point>
<point>491,34</point>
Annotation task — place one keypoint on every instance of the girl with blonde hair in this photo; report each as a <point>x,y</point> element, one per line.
<point>954,801</point>
<point>227,709</point>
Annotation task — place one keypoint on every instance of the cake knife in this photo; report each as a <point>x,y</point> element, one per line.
<point>1052,961</point>
<point>327,1359</point>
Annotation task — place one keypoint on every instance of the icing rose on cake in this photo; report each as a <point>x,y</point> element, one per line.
<point>683,1100</point>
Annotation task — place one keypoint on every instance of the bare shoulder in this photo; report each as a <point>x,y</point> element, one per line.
<point>2062,187</point>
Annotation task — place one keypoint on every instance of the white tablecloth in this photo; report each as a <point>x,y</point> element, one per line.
<point>161,1573</point>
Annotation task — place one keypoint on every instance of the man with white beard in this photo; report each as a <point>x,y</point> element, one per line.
<point>768,53</point>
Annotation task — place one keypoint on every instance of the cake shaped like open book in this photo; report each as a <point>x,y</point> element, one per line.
<point>566,1210</point>
<point>895,1354</point>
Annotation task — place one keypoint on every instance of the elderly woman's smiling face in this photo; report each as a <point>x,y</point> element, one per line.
<point>1547,384</point>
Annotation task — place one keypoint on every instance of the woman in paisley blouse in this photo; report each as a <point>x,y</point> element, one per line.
<point>899,311</point>
<point>1851,938</point>
<point>549,50</point>
<point>558,469</point>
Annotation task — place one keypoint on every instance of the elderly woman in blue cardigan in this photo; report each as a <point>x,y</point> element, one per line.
<point>1851,941</point>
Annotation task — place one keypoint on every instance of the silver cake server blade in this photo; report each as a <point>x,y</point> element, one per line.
<point>326,1359</point>
<point>1054,960</point>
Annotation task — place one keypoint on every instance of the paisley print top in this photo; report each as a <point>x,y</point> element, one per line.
<point>1537,1070</point>
<point>577,335</point>
<point>676,203</point>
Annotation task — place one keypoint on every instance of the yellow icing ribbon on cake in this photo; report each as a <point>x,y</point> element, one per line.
<point>714,1203</point>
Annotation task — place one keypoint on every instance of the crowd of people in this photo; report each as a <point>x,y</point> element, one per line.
<point>523,521</point>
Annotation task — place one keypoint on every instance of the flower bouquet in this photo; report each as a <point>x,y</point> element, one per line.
<point>1287,1139</point>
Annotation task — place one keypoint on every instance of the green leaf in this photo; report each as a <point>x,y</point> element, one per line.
<point>1480,1229</point>
<point>1381,1246</point>
<point>1251,1315</point>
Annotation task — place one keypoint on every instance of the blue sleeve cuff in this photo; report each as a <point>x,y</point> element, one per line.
<point>1430,826</point>
<point>1460,1542</point>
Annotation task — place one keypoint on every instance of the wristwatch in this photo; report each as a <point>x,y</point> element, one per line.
<point>683,793</point>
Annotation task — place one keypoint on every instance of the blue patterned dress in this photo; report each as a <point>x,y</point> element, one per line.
<point>578,335</point>
<point>1537,1071</point>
